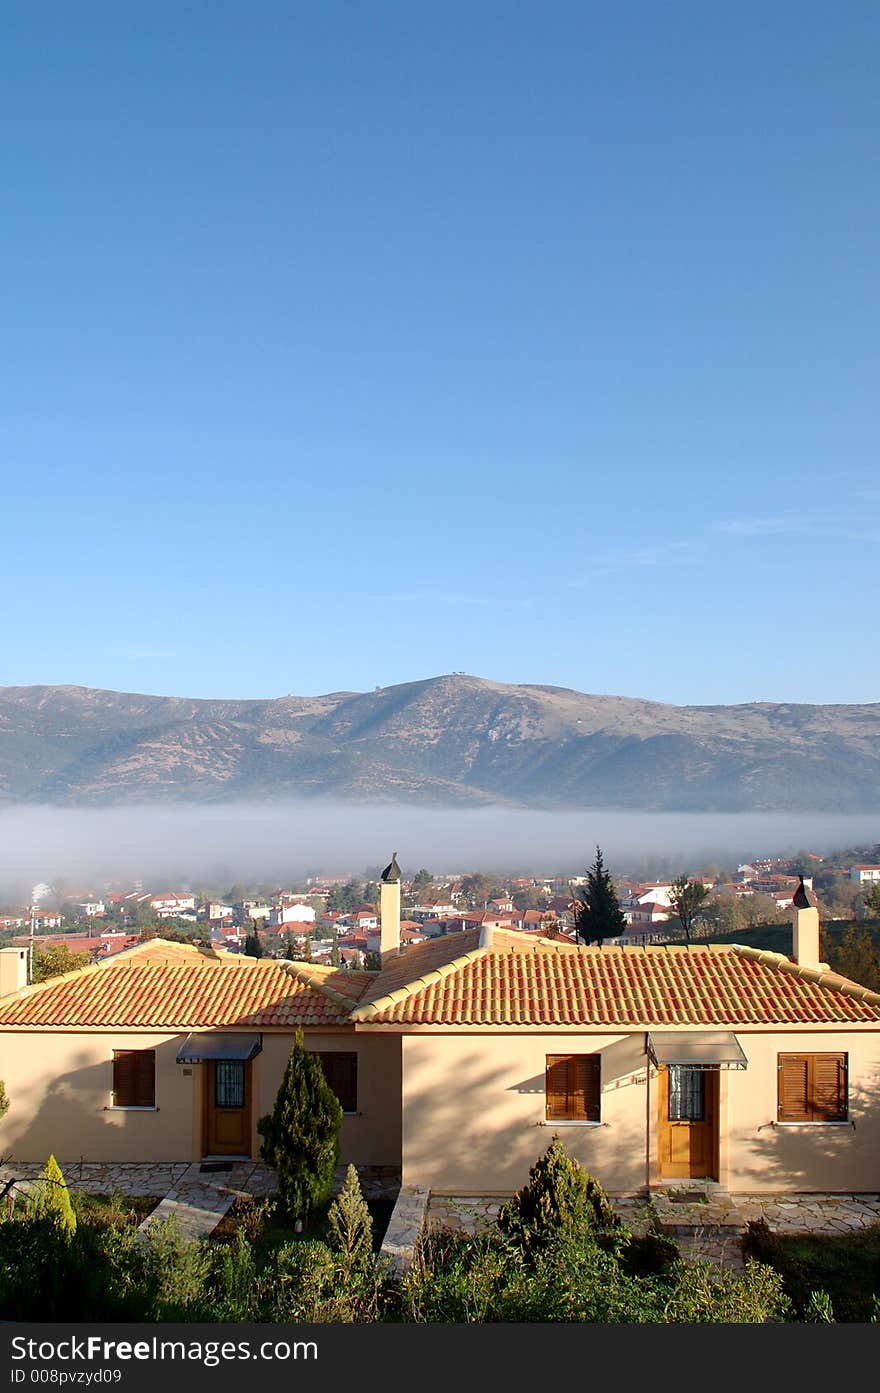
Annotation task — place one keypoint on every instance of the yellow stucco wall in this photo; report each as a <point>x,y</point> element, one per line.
<point>473,1115</point>
<point>372,1137</point>
<point>59,1086</point>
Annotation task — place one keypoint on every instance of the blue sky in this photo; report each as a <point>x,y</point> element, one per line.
<point>344,345</point>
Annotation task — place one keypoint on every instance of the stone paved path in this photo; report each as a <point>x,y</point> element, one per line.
<point>710,1229</point>
<point>196,1198</point>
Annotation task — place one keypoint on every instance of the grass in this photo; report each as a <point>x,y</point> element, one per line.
<point>777,937</point>
<point>846,1266</point>
<point>112,1210</point>
<point>268,1228</point>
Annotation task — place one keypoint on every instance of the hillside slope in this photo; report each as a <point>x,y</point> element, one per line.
<point>444,741</point>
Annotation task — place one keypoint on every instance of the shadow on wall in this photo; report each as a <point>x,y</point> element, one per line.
<point>791,1158</point>
<point>72,1119</point>
<point>472,1130</point>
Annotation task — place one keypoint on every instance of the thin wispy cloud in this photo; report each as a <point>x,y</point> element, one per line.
<point>663,554</point>
<point>791,525</point>
<point>766,527</point>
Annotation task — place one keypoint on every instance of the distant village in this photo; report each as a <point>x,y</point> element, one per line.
<point>335,919</point>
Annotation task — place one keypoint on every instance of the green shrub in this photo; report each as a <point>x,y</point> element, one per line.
<point>651,1253</point>
<point>349,1224</point>
<point>559,1194</point>
<point>301,1134</point>
<point>573,1277</point>
<point>52,1199</point>
<point>96,1273</point>
<point>818,1309</point>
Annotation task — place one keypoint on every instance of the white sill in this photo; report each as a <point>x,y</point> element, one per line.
<point>134,1107</point>
<point>572,1122</point>
<point>814,1124</point>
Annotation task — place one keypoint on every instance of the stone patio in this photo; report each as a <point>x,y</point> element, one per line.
<point>195,1194</point>
<point>707,1224</point>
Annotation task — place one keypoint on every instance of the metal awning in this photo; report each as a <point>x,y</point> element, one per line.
<point>698,1049</point>
<point>198,1049</point>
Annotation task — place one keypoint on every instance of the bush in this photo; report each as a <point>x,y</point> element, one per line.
<point>301,1134</point>
<point>573,1277</point>
<point>52,1199</point>
<point>349,1224</point>
<point>650,1254</point>
<point>96,1274</point>
<point>559,1194</point>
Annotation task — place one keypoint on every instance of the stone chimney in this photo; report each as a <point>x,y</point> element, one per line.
<point>389,910</point>
<point>806,927</point>
<point>13,969</point>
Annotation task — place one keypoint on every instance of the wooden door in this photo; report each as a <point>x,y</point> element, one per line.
<point>688,1131</point>
<point>228,1108</point>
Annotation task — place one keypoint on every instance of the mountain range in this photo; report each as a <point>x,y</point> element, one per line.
<point>450,740</point>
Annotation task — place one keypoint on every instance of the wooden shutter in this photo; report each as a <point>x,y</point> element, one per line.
<point>556,1088</point>
<point>134,1078</point>
<point>573,1087</point>
<point>812,1088</point>
<point>829,1087</point>
<point>123,1078</point>
<point>794,1090</point>
<point>340,1071</point>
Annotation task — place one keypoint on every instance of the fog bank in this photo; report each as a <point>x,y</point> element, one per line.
<point>190,844</point>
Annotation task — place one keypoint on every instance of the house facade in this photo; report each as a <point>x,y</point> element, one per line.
<point>462,1056</point>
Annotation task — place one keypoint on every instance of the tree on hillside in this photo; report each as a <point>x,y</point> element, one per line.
<point>687,899</point>
<point>871,901</point>
<point>530,897</point>
<point>477,889</point>
<point>725,913</point>
<point>598,914</point>
<point>301,1134</point>
<point>856,957</point>
<point>253,944</point>
<point>55,960</point>
<point>289,947</point>
<point>422,878</point>
<point>345,898</point>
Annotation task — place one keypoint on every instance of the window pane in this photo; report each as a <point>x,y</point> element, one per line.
<point>687,1094</point>
<point>229,1083</point>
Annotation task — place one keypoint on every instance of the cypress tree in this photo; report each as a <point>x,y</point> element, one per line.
<point>253,945</point>
<point>349,1223</point>
<point>52,1199</point>
<point>599,915</point>
<point>301,1134</point>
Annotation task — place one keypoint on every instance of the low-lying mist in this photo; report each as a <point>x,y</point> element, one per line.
<point>218,845</point>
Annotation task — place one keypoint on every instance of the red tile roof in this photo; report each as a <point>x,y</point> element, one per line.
<point>173,987</point>
<point>474,978</point>
<point>522,980</point>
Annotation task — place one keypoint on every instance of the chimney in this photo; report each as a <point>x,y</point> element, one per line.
<point>13,969</point>
<point>389,910</point>
<point>806,927</point>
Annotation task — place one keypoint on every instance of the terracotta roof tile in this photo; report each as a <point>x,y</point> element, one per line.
<point>520,980</point>
<point>188,995</point>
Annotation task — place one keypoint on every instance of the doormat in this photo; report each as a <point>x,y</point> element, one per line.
<point>212,1166</point>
